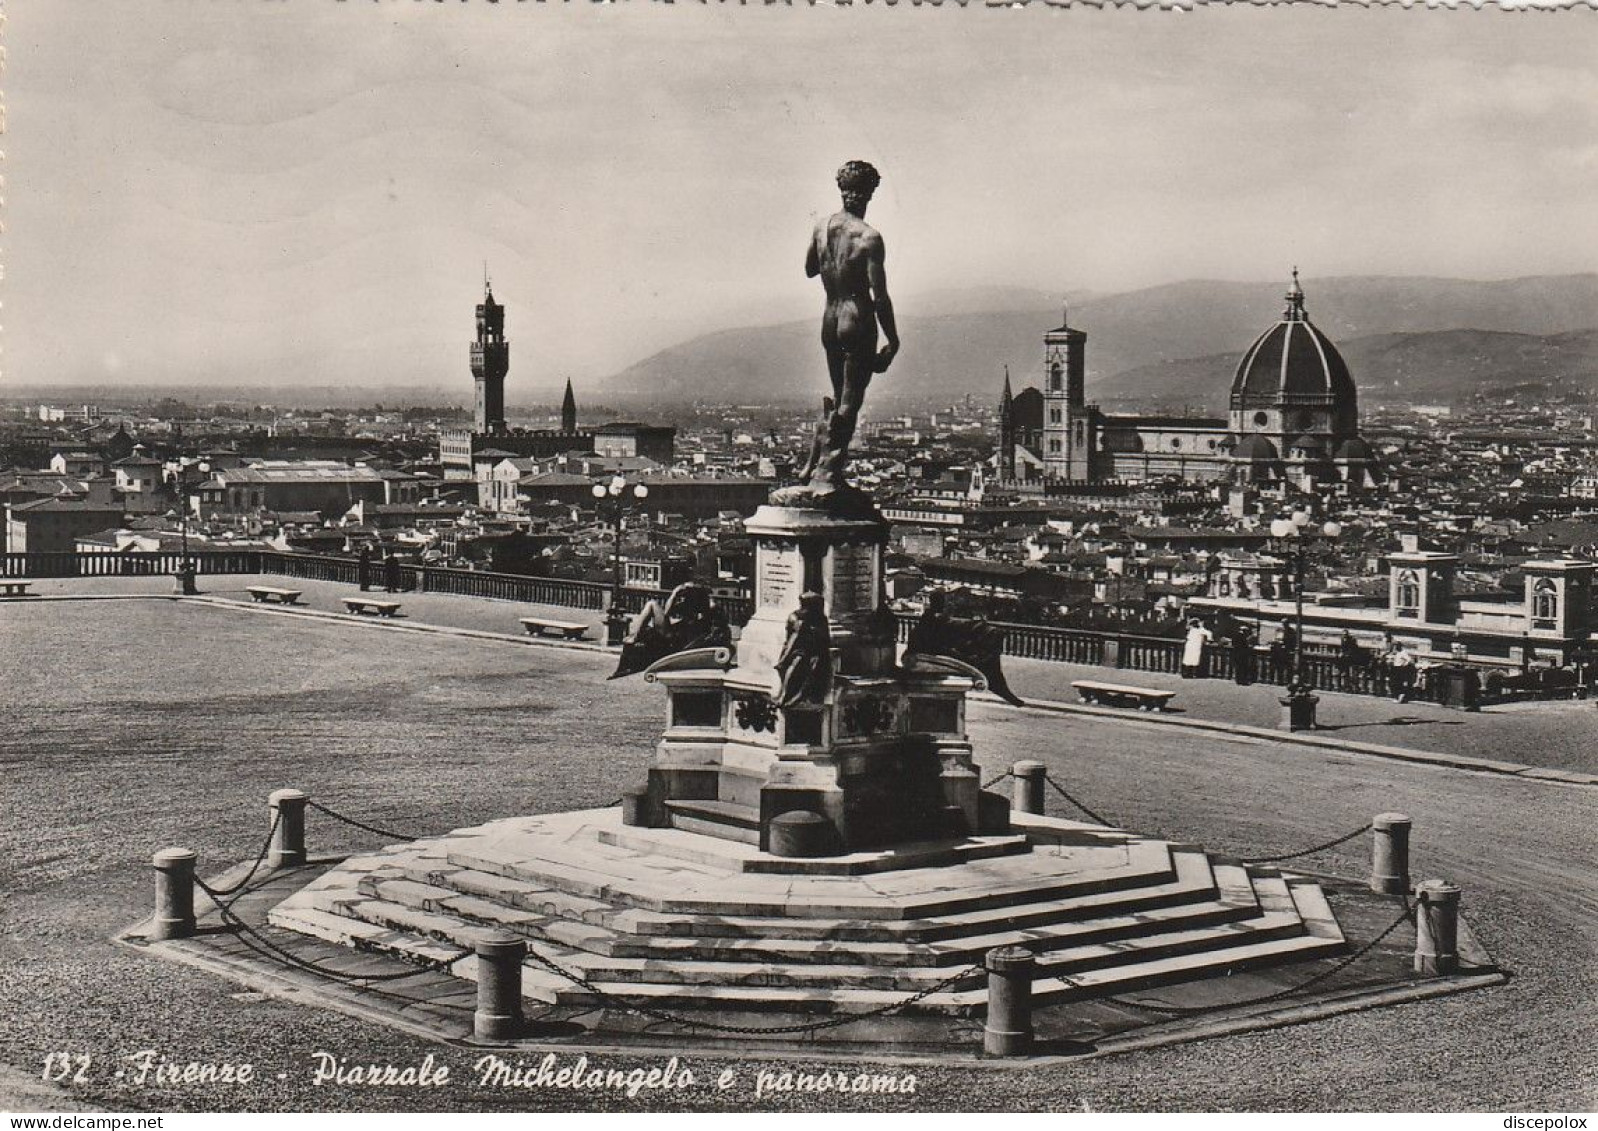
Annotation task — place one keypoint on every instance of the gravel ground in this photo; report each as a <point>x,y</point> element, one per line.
<point>126,727</point>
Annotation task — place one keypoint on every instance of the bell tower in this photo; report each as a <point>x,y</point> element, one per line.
<point>490,362</point>
<point>1067,417</point>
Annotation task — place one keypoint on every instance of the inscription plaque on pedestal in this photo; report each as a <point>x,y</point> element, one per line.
<point>781,568</point>
<point>853,579</point>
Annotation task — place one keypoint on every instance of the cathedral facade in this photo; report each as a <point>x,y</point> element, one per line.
<point>1293,415</point>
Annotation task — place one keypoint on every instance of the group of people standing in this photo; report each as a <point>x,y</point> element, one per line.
<point>1396,664</point>
<point>391,571</point>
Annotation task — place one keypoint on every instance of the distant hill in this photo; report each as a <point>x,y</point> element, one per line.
<point>959,342</point>
<point>1439,367</point>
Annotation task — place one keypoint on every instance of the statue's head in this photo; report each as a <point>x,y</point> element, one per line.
<point>857,180</point>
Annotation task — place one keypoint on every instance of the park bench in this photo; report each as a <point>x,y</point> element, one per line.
<point>358,605</point>
<point>540,626</point>
<point>14,588</point>
<point>1120,695</point>
<point>270,593</point>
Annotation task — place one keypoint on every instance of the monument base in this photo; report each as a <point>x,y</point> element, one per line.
<point>685,921</point>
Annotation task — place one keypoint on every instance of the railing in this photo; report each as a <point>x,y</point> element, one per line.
<point>1323,670</point>
<point>127,563</point>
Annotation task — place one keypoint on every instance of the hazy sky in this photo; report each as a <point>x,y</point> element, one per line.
<point>306,191</point>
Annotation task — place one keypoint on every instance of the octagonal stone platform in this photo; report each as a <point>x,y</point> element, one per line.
<point>684,920</point>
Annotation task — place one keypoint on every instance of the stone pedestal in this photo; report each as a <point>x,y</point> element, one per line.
<point>881,759</point>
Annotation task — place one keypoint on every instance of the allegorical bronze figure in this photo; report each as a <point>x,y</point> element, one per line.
<point>690,619</point>
<point>971,641</point>
<point>804,669</point>
<point>849,256</point>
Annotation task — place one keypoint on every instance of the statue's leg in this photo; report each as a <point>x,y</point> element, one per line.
<point>841,426</point>
<point>818,441</point>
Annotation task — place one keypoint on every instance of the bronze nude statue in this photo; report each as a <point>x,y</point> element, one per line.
<point>849,256</point>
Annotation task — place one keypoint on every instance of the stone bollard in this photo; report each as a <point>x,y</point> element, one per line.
<point>801,834</point>
<point>499,986</point>
<point>1436,927</point>
<point>1008,1028</point>
<point>287,808</point>
<point>1390,853</point>
<point>174,893</point>
<point>1029,786</point>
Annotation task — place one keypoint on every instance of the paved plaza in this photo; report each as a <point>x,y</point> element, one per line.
<point>128,726</point>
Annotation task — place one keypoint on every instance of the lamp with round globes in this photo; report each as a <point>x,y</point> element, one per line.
<point>616,490</point>
<point>1289,531</point>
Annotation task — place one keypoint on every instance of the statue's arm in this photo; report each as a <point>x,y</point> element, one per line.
<point>812,258</point>
<point>877,275</point>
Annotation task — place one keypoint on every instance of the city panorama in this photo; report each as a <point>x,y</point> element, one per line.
<point>642,560</point>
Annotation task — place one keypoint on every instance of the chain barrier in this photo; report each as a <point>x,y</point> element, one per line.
<point>238,889</point>
<point>1345,838</point>
<point>223,899</point>
<point>284,957</point>
<point>833,1022</point>
<point>337,816</point>
<point>1187,1011</point>
<point>1091,815</point>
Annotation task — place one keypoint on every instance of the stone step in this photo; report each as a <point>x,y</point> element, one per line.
<point>522,909</point>
<point>1191,901</point>
<point>1077,973</point>
<point>725,819</point>
<point>478,911</point>
<point>673,888</point>
<point>724,812</point>
<point>740,787</point>
<point>575,945</point>
<point>517,894</point>
<point>736,856</point>
<point>703,985</point>
<point>361,935</point>
<point>1314,910</point>
<point>1156,941</point>
<point>902,952</point>
<point>959,1000</point>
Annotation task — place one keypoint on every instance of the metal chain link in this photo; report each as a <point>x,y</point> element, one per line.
<point>833,1022</point>
<point>278,954</point>
<point>320,808</point>
<point>1365,828</point>
<point>996,779</point>
<point>1185,1011</point>
<point>1310,851</point>
<point>1091,815</point>
<point>238,888</point>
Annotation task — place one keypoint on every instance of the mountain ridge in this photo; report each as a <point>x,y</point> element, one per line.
<point>949,354</point>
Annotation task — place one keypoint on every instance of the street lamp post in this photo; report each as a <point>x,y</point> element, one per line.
<point>186,571</point>
<point>1299,703</point>
<point>620,498</point>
